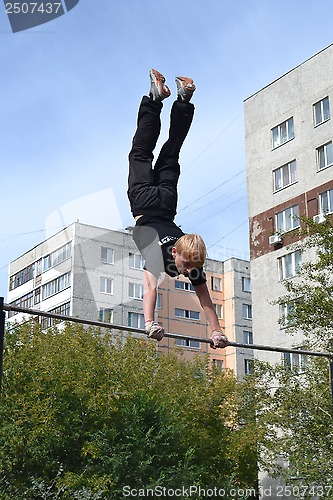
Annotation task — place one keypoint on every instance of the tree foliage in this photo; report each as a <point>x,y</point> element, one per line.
<point>296,412</point>
<point>84,415</point>
<point>311,294</point>
<point>296,402</point>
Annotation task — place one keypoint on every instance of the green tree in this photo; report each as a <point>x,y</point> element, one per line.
<point>311,294</point>
<point>296,402</point>
<point>295,413</point>
<point>84,414</point>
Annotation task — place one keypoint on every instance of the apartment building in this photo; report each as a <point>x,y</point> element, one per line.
<point>82,271</point>
<point>289,169</point>
<point>97,274</point>
<point>289,159</point>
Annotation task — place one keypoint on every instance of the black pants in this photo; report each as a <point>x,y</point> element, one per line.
<point>154,191</point>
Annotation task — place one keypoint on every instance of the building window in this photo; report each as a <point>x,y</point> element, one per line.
<point>287,219</point>
<point>284,176</point>
<point>21,277</point>
<point>219,310</point>
<point>247,337</point>
<point>247,311</point>
<point>56,286</point>
<point>107,255</point>
<point>106,315</point>
<point>248,366</point>
<point>289,265</point>
<point>321,111</point>
<point>39,267</point>
<point>37,293</point>
<point>293,360</point>
<point>183,285</point>
<point>57,256</point>
<point>136,320</point>
<point>185,313</point>
<point>136,261</point>
<point>283,133</point>
<point>285,310</point>
<point>326,202</point>
<point>63,310</point>
<point>26,302</point>
<point>106,285</point>
<point>325,156</point>
<point>135,291</point>
<point>218,365</point>
<point>188,343</point>
<point>216,284</point>
<point>246,284</point>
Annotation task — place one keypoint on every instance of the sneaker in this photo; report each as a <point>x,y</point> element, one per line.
<point>158,89</point>
<point>185,88</point>
<point>154,330</point>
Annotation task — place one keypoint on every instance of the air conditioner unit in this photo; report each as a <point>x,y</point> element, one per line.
<point>319,218</point>
<point>275,239</point>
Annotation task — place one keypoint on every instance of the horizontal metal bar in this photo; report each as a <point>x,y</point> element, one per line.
<point>74,319</point>
<point>205,340</point>
<point>255,346</point>
<point>291,350</point>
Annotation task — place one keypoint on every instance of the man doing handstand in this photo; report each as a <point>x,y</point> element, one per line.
<point>152,193</point>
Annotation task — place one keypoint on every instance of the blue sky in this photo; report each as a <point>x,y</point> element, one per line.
<point>70,92</point>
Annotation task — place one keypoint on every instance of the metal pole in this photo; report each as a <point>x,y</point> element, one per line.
<point>2,335</point>
<point>205,340</point>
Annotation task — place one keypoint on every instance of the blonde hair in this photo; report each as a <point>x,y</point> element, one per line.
<point>192,249</point>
